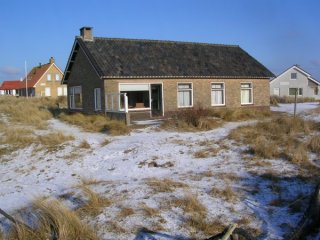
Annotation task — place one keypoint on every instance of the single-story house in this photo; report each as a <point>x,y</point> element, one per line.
<point>293,80</point>
<point>44,80</point>
<point>10,87</point>
<point>150,78</point>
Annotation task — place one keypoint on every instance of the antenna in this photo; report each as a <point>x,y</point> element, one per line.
<point>25,69</point>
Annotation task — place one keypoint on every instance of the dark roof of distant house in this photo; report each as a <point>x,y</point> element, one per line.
<point>10,85</point>
<point>120,58</point>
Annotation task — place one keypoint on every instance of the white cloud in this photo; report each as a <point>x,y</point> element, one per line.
<point>9,70</point>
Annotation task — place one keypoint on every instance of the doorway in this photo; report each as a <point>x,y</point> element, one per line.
<point>156,100</point>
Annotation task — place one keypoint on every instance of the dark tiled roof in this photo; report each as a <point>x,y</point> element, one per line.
<point>143,58</point>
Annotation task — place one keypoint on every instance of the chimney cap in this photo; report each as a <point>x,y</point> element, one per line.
<point>51,60</point>
<point>86,33</point>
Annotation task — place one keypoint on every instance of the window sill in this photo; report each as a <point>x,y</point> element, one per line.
<point>218,105</point>
<point>185,106</point>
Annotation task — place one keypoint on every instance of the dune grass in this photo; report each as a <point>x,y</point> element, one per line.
<point>30,111</point>
<point>280,137</point>
<point>203,119</point>
<point>95,123</point>
<point>94,202</point>
<point>53,218</point>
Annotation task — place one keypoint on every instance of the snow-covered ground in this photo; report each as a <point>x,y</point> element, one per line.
<point>123,167</point>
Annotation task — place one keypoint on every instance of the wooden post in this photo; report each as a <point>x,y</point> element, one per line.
<point>295,103</point>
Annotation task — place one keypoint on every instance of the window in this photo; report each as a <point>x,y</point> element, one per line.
<point>65,91</point>
<point>49,77</point>
<point>246,93</point>
<point>185,95</point>
<point>59,91</point>
<point>138,95</point>
<point>293,76</point>
<point>97,99</point>
<point>47,92</point>
<point>292,91</point>
<point>75,97</point>
<point>57,77</point>
<point>276,91</point>
<point>217,94</point>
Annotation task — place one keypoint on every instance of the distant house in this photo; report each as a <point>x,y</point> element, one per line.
<point>149,78</point>
<point>44,80</point>
<point>10,88</point>
<point>295,79</point>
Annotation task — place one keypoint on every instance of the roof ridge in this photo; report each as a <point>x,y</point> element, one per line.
<point>165,41</point>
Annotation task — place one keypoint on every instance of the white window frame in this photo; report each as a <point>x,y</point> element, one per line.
<point>185,90</point>
<point>49,77</point>
<point>72,104</point>
<point>295,77</point>
<point>97,99</point>
<point>246,88</point>
<point>57,76</point>
<point>298,92</point>
<point>218,89</point>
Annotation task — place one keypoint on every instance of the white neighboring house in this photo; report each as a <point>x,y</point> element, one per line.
<point>295,78</point>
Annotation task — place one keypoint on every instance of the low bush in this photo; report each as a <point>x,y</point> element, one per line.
<point>95,123</point>
<point>275,100</point>
<point>279,137</point>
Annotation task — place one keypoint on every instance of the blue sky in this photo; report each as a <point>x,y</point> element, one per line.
<point>278,33</point>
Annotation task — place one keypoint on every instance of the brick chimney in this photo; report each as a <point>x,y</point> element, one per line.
<point>86,33</point>
<point>51,60</point>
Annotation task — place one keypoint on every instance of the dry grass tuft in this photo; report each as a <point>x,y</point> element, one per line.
<point>191,119</point>
<point>105,142</point>
<point>199,223</point>
<point>52,140</point>
<point>53,217</point>
<point>208,152</point>
<point>84,144</point>
<point>125,212</point>
<point>240,114</point>
<point>190,204</point>
<point>94,202</point>
<point>314,144</point>
<point>96,123</point>
<point>274,100</point>
<point>149,211</point>
<point>227,194</point>
<point>277,138</point>
<point>114,227</point>
<point>31,111</point>
<point>164,185</point>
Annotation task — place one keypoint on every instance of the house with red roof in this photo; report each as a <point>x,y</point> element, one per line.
<point>10,87</point>
<point>43,80</point>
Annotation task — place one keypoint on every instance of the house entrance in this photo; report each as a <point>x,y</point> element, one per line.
<point>156,100</point>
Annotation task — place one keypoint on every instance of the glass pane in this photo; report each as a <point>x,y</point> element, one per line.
<point>184,86</point>
<point>217,97</point>
<point>245,96</point>
<point>245,85</point>
<point>216,86</point>
<point>292,91</point>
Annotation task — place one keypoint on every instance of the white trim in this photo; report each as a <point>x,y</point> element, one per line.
<point>96,105</point>
<point>294,67</point>
<point>295,88</point>
<point>224,94</point>
<point>186,89</point>
<point>250,88</point>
